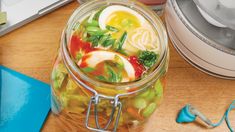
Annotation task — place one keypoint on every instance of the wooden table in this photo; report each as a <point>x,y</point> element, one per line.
<point>32,48</point>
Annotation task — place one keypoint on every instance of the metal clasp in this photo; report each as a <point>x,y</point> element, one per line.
<point>115,104</point>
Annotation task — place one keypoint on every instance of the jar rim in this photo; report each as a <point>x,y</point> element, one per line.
<point>153,19</point>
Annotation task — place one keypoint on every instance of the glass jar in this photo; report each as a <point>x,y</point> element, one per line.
<point>85,104</point>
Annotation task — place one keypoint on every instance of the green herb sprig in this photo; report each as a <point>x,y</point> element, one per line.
<point>147,58</point>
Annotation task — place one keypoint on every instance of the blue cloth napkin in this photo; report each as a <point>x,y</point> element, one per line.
<point>24,102</point>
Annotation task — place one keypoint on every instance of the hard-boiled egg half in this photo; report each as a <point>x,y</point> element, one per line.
<point>95,57</point>
<point>140,34</point>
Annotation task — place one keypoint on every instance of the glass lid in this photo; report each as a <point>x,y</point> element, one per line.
<point>222,11</point>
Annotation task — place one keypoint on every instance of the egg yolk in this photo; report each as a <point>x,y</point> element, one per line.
<point>123,21</point>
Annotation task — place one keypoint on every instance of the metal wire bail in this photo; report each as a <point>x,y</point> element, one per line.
<point>115,104</point>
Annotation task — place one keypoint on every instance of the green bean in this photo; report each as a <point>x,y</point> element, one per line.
<point>104,38</point>
<point>58,78</point>
<point>94,39</point>
<point>145,93</point>
<point>151,95</point>
<point>98,33</point>
<point>158,89</point>
<point>140,103</point>
<point>110,28</point>
<point>108,42</point>
<point>118,46</point>
<point>149,110</point>
<point>94,30</point>
<point>93,23</point>
<point>54,78</point>
<point>122,40</point>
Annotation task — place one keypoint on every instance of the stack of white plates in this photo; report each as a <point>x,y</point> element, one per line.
<point>203,33</point>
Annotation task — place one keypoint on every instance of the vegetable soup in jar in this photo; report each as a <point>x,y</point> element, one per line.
<point>109,74</point>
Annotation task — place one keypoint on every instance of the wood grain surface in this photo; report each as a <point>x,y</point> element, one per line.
<point>32,48</point>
